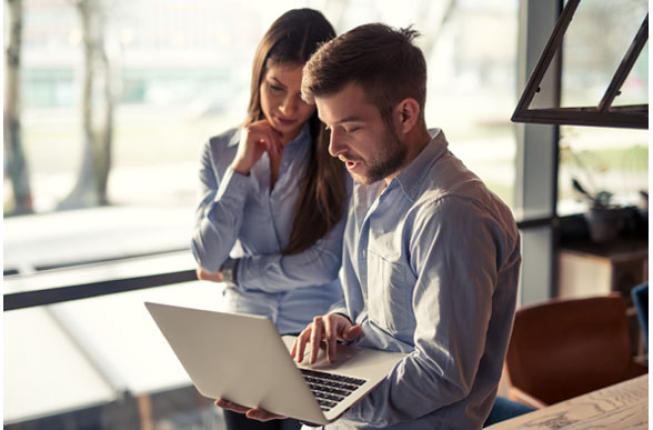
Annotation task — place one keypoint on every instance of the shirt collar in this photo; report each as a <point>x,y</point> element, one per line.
<point>412,175</point>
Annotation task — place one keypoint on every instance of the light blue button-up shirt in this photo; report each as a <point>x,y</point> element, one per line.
<point>431,267</point>
<point>239,213</point>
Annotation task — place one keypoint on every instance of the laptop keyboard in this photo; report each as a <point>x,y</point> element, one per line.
<point>329,389</point>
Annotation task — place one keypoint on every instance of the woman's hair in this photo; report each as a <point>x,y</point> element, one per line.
<point>292,39</point>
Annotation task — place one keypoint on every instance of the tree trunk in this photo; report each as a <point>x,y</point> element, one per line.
<point>97,115</point>
<point>16,168</point>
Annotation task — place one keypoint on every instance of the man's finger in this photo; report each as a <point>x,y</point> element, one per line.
<point>316,338</point>
<point>331,338</point>
<point>301,340</point>
<point>293,349</point>
<point>353,332</point>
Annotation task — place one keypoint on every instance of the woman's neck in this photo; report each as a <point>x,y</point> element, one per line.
<point>286,138</point>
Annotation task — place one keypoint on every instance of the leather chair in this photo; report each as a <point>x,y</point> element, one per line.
<point>567,347</point>
<point>639,295</point>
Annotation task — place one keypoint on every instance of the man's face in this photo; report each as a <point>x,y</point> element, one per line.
<point>370,149</point>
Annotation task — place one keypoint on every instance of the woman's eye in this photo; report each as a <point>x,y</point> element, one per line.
<point>276,88</point>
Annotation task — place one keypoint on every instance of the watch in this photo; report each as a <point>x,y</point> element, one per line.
<point>229,270</point>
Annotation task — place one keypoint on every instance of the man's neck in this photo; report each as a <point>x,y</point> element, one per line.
<point>415,142</point>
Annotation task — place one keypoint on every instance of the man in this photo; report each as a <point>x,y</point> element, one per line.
<point>431,257</point>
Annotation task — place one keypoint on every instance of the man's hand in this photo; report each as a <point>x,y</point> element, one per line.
<point>324,330</point>
<point>204,275</point>
<point>251,413</point>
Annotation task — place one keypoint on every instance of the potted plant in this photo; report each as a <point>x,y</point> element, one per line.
<point>604,219</point>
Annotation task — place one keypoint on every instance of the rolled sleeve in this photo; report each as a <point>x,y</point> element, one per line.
<point>219,215</point>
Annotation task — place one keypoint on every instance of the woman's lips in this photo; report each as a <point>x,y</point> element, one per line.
<point>286,122</point>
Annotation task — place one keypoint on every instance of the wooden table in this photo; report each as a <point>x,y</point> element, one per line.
<point>620,406</point>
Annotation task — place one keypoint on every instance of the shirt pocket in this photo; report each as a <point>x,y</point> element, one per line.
<point>389,292</point>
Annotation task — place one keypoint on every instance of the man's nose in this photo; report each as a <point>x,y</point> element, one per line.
<point>336,146</point>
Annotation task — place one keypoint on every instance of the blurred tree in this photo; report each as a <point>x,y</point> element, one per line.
<point>97,111</point>
<point>16,166</point>
<point>432,31</point>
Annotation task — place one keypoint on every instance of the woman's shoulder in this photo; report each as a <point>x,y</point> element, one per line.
<point>225,139</point>
<point>219,150</point>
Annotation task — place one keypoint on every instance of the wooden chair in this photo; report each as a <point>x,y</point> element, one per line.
<point>564,348</point>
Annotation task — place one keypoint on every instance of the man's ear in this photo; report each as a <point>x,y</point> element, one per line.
<point>407,114</point>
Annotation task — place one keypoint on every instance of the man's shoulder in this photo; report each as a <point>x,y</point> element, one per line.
<point>473,200</point>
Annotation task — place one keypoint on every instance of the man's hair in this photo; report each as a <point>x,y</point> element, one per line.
<point>382,60</point>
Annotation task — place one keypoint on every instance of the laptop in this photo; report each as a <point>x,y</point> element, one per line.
<point>242,358</point>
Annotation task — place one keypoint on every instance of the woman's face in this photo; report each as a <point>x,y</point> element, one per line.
<point>281,100</point>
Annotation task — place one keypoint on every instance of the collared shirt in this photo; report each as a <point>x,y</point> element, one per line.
<point>242,214</point>
<point>431,267</point>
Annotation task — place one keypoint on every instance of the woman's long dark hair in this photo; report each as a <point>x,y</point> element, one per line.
<point>291,39</point>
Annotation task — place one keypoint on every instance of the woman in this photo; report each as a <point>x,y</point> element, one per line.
<point>271,188</point>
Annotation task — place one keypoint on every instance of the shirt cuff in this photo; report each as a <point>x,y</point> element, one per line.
<point>341,311</point>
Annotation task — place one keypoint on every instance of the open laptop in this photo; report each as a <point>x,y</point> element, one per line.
<point>243,359</point>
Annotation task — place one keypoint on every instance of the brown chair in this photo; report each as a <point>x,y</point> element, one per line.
<point>564,348</point>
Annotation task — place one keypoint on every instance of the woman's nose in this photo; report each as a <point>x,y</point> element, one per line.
<point>289,106</point>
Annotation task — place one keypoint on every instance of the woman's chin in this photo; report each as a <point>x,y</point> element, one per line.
<point>289,130</point>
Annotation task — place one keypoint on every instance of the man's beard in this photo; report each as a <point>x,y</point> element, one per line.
<point>392,158</point>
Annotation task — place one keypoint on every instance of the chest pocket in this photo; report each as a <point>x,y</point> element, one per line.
<point>390,290</point>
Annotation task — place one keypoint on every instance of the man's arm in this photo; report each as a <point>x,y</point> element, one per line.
<point>454,256</point>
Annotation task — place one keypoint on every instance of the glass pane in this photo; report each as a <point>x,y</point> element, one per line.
<point>471,92</point>
<point>635,88</point>
<point>69,365</point>
<point>590,56</point>
<point>178,78</point>
<point>602,160</point>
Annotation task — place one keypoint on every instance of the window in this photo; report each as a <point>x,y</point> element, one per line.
<point>602,159</point>
<point>179,73</point>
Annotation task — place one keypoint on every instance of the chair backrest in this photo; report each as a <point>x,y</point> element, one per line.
<point>639,295</point>
<point>564,348</point>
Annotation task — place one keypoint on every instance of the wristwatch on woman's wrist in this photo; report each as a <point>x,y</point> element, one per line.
<point>229,270</point>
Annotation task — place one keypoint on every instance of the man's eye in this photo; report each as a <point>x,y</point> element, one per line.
<point>351,129</point>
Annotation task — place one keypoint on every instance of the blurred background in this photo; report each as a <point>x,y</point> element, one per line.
<point>107,104</point>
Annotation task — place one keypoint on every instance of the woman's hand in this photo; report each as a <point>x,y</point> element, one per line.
<point>256,138</point>
<point>251,413</point>
<point>204,275</point>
